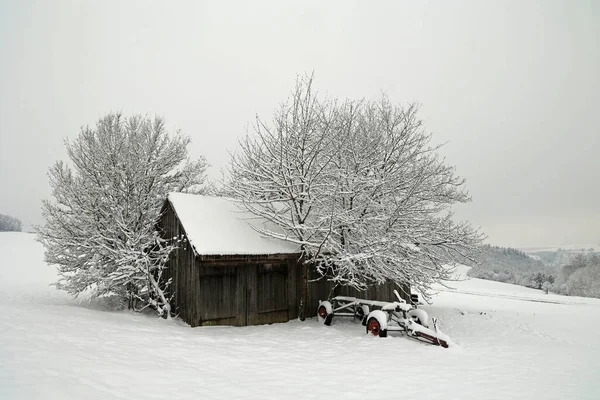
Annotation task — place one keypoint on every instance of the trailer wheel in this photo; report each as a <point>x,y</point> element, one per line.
<point>377,323</point>
<point>373,326</point>
<point>324,312</point>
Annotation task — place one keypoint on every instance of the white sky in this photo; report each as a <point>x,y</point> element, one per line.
<point>511,86</point>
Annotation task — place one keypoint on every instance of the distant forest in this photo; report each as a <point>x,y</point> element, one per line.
<point>580,277</point>
<point>568,272</point>
<point>559,258</point>
<point>10,224</point>
<point>505,264</point>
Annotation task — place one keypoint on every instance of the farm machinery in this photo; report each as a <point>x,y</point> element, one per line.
<point>380,317</point>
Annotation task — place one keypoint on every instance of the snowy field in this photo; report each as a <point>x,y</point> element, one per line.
<point>510,342</point>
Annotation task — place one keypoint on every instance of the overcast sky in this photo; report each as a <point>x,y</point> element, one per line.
<point>512,87</point>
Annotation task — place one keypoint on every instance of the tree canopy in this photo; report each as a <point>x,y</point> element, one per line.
<point>99,227</point>
<point>359,186</point>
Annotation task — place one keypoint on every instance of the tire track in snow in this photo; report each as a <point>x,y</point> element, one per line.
<point>507,296</point>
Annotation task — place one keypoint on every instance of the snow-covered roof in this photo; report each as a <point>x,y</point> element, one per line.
<point>219,226</point>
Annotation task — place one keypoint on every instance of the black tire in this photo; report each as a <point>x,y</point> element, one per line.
<point>362,311</point>
<point>327,318</point>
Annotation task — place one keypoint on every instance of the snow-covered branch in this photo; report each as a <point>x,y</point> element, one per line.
<point>357,184</point>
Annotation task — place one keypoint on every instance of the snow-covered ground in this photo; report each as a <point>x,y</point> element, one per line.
<point>512,342</point>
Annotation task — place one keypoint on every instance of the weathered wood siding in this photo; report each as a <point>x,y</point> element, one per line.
<point>247,290</point>
<point>242,289</point>
<point>180,267</point>
<point>229,290</point>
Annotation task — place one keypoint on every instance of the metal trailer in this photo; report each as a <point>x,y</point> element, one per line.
<point>381,317</point>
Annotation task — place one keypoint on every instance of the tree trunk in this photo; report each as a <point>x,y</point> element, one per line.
<point>304,296</point>
<point>333,291</point>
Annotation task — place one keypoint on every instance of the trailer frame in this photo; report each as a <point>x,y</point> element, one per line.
<point>381,317</point>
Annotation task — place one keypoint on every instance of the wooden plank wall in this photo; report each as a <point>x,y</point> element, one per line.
<point>247,290</point>
<point>180,266</point>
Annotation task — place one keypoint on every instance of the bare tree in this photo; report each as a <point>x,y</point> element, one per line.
<point>391,218</point>
<point>358,185</point>
<point>100,228</point>
<point>279,172</point>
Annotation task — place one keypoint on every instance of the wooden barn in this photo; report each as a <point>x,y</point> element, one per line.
<point>226,273</point>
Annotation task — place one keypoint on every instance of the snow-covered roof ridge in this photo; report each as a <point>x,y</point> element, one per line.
<point>220,226</point>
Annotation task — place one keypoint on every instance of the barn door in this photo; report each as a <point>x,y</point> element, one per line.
<point>267,294</point>
<point>217,295</point>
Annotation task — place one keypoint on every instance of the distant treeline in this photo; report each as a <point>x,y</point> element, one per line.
<point>565,272</point>
<point>10,224</point>
<point>505,264</point>
<point>580,277</point>
<point>558,258</point>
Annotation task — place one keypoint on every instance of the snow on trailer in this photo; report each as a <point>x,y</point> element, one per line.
<point>380,317</point>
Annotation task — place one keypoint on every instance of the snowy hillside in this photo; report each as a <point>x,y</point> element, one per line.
<point>510,342</point>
